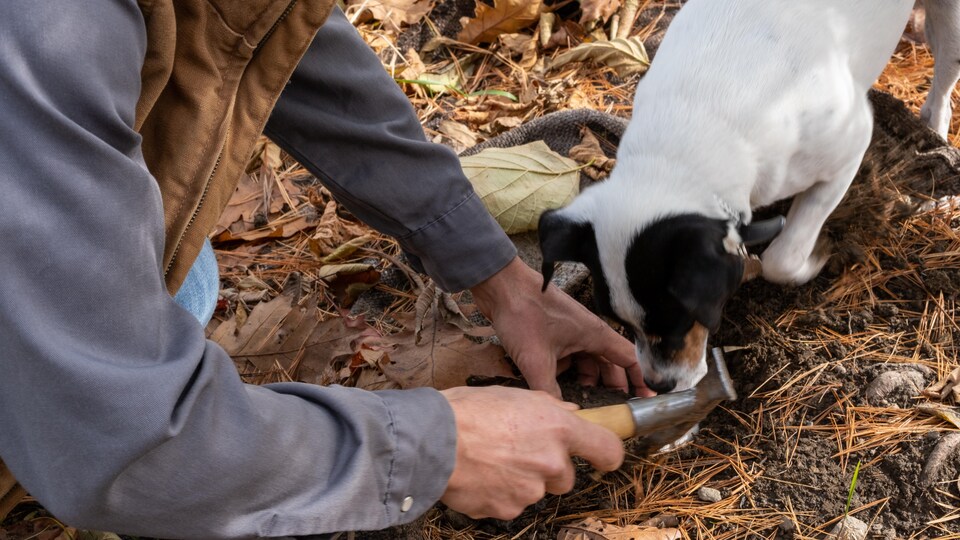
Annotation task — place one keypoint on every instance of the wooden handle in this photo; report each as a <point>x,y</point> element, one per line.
<point>616,418</point>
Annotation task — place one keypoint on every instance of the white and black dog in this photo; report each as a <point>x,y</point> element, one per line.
<point>746,103</point>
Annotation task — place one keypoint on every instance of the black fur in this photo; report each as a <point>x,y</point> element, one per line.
<point>565,240</point>
<point>680,273</point>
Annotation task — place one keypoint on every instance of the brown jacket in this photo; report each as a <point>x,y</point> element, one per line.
<point>212,73</point>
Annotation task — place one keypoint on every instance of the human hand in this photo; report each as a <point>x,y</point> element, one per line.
<point>538,329</point>
<point>514,446</point>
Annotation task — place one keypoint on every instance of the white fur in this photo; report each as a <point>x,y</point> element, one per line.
<point>751,102</point>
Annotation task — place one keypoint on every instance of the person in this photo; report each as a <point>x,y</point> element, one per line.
<point>126,127</point>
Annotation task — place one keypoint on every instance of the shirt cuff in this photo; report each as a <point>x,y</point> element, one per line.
<point>461,248</point>
<point>425,451</point>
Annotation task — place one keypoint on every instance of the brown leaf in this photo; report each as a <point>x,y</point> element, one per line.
<point>445,358</point>
<point>396,12</point>
<point>594,529</point>
<point>593,10</point>
<point>289,340</point>
<point>332,231</point>
<point>459,135</point>
<point>946,389</point>
<point>504,17</point>
<point>349,281</point>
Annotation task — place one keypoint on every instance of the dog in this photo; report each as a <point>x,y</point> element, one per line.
<point>747,102</point>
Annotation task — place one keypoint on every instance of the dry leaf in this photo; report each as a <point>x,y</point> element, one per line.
<point>346,249</point>
<point>948,414</point>
<point>504,17</point>
<point>332,232</point>
<point>594,529</point>
<point>396,12</point>
<point>517,184</point>
<point>415,66</point>
<point>946,389</point>
<point>445,358</point>
<point>590,153</point>
<point>522,45</point>
<point>594,10</point>
<point>459,134</point>
<point>625,56</point>
<point>290,340</point>
<point>349,281</point>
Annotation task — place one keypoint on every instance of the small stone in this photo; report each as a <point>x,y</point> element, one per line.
<point>849,528</point>
<point>709,494</point>
<point>787,525</point>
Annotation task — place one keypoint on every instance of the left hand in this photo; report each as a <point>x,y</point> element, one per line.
<point>538,329</point>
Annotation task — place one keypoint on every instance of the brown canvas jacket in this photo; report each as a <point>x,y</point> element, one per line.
<point>213,71</point>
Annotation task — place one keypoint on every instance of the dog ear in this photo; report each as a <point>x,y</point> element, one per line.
<point>760,232</point>
<point>703,284</point>
<point>563,239</point>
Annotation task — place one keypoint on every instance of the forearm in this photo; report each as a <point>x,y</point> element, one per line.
<point>346,120</point>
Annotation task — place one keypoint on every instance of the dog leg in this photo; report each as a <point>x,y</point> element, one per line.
<point>798,254</point>
<point>942,28</point>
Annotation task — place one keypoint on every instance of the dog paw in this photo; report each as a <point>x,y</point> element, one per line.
<point>795,270</point>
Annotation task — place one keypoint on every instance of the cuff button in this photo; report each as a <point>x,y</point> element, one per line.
<point>407,504</point>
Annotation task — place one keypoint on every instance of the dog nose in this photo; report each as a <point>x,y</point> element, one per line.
<point>661,387</point>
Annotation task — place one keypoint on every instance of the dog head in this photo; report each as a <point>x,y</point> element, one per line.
<point>665,281</point>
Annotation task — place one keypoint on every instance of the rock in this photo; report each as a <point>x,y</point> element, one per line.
<point>707,494</point>
<point>937,467</point>
<point>849,528</point>
<point>904,381</point>
<point>787,525</point>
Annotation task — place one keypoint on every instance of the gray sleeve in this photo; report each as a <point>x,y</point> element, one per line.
<point>115,412</point>
<point>347,121</point>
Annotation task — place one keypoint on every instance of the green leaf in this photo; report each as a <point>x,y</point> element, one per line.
<point>517,184</point>
<point>626,56</point>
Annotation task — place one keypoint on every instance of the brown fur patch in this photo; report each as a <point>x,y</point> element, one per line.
<point>693,343</point>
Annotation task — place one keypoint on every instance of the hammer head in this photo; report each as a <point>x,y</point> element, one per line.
<point>663,419</point>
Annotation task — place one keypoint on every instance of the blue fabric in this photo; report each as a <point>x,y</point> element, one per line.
<point>201,288</point>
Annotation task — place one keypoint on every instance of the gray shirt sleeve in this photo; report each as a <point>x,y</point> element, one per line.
<point>115,412</point>
<point>347,121</point>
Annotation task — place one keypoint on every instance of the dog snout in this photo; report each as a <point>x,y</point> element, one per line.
<point>663,386</point>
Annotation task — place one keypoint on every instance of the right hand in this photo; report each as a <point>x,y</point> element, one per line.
<point>514,446</point>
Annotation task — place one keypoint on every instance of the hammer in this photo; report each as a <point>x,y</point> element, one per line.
<point>665,418</point>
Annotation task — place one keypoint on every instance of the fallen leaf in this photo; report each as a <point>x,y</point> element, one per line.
<point>517,184</point>
<point>598,10</point>
<point>522,45</point>
<point>626,56</point>
<point>414,67</point>
<point>948,414</point>
<point>332,231</point>
<point>349,281</point>
<point>594,529</point>
<point>445,358</point>
<point>396,12</point>
<point>946,389</point>
<point>346,249</point>
<point>459,134</point>
<point>503,17</point>
<point>289,340</point>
